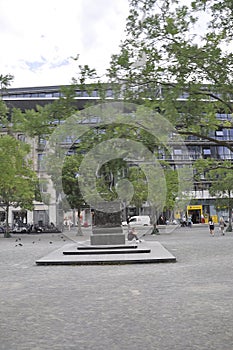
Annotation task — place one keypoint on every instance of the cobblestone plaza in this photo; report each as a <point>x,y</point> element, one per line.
<point>184,305</point>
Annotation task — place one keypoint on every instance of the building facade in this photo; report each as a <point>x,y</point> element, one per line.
<point>202,204</point>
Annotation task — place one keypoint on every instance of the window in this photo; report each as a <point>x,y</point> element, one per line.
<point>56,94</point>
<point>85,93</point>
<point>133,220</point>
<point>40,163</point>
<point>177,152</point>
<point>43,186</point>
<point>94,93</point>
<point>219,133</point>
<point>109,93</point>
<point>78,93</point>
<point>22,137</point>
<point>224,153</point>
<point>206,153</point>
<point>42,141</point>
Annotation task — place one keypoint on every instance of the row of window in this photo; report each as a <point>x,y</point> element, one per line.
<point>216,152</point>
<point>224,135</point>
<point>56,94</point>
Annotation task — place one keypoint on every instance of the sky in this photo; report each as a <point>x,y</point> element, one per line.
<point>39,39</point>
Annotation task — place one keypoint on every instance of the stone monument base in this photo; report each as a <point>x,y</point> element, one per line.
<point>107,236</point>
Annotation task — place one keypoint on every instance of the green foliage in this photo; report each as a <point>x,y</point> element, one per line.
<point>220,175</point>
<point>32,122</point>
<point>5,80</point>
<point>64,107</point>
<point>17,179</point>
<point>166,58</point>
<point>138,180</point>
<point>43,120</point>
<point>70,181</point>
<point>3,114</point>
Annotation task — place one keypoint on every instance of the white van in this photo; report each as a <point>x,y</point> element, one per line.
<point>142,220</point>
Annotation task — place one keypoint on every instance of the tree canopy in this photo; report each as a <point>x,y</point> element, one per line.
<point>220,175</point>
<point>17,179</point>
<point>176,58</point>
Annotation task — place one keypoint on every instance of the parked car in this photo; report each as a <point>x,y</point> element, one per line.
<point>142,220</point>
<point>23,228</point>
<point>2,229</point>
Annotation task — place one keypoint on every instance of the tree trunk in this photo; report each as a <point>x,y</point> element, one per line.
<point>155,230</point>
<point>7,232</point>
<point>79,229</point>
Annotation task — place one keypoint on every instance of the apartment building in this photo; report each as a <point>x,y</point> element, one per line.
<point>202,203</point>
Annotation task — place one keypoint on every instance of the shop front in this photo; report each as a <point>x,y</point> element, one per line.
<point>196,213</point>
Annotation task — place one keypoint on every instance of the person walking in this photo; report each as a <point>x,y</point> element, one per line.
<point>211,226</point>
<point>190,222</point>
<point>222,225</point>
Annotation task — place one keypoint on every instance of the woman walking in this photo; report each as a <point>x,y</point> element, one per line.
<point>222,225</point>
<point>211,226</point>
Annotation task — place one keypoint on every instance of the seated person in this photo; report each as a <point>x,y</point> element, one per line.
<point>132,234</point>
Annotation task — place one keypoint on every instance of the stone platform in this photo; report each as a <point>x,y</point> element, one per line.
<point>82,253</point>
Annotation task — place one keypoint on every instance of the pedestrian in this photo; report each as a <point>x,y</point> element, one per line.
<point>183,221</point>
<point>222,225</point>
<point>190,221</point>
<point>132,234</point>
<point>211,226</point>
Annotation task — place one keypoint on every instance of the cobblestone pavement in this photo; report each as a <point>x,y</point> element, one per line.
<point>186,305</point>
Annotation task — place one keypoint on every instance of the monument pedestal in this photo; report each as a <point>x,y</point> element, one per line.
<point>107,236</point>
<point>107,229</point>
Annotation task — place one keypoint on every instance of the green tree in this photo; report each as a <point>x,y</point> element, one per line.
<point>138,147</point>
<point>169,63</point>
<point>70,172</point>
<point>220,175</point>
<point>137,178</point>
<point>41,121</point>
<point>171,186</point>
<point>3,114</point>
<point>17,179</point>
<point>5,81</point>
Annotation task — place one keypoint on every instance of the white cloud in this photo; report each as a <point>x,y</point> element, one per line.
<point>38,38</point>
